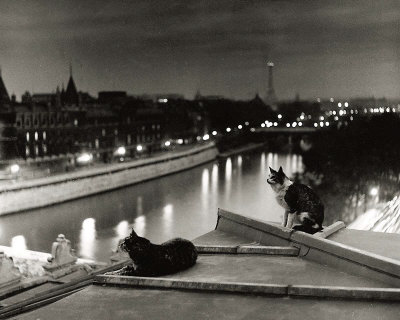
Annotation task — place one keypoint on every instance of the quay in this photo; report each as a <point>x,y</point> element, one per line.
<point>246,268</point>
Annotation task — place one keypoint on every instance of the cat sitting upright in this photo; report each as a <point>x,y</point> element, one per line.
<point>152,260</point>
<point>299,201</point>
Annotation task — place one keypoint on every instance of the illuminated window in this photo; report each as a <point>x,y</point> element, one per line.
<point>27,136</point>
<point>36,136</point>
<point>103,132</point>
<point>36,150</point>
<point>116,132</point>
<point>44,135</point>
<point>44,149</point>
<point>27,151</point>
<point>96,143</point>
<point>75,122</point>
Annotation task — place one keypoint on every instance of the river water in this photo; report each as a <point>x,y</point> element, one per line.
<point>179,205</point>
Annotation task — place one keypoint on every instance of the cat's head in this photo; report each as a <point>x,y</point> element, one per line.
<point>134,245</point>
<point>276,177</point>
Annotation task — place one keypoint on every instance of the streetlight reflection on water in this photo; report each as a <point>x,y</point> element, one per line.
<point>18,243</point>
<point>88,238</point>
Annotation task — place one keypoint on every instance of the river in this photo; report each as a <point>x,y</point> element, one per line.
<point>179,205</point>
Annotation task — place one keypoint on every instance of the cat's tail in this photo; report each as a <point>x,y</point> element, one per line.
<point>308,224</point>
<point>307,228</point>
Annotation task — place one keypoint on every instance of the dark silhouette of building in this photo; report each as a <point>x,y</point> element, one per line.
<point>4,97</point>
<point>71,94</point>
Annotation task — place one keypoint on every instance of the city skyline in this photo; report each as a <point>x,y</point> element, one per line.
<point>222,48</point>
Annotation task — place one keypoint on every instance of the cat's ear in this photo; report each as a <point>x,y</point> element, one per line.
<point>133,233</point>
<point>272,170</point>
<point>280,170</point>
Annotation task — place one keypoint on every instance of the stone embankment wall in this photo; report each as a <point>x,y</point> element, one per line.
<point>26,195</point>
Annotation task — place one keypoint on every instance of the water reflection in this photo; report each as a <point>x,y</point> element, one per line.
<point>140,226</point>
<point>18,243</point>
<point>214,178</point>
<point>205,182</point>
<point>228,170</point>
<point>87,238</point>
<point>179,205</point>
<point>122,229</point>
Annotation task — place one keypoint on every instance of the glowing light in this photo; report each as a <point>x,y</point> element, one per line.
<point>168,210</point>
<point>374,191</point>
<point>206,137</point>
<point>346,104</point>
<point>14,168</point>
<point>167,143</point>
<point>351,118</point>
<point>252,129</point>
<point>331,100</point>
<point>279,116</point>
<point>339,104</point>
<point>246,123</point>
<point>18,243</point>
<point>214,133</point>
<point>334,112</point>
<point>228,170</point>
<point>84,158</point>
<point>263,125</point>
<point>121,151</point>
<point>294,124</point>
<point>275,124</point>
<point>162,100</point>
<point>139,148</point>
<point>122,229</point>
<point>228,129</point>
<point>288,125</point>
<point>88,237</point>
<point>336,118</point>
<point>240,126</point>
<point>300,124</point>
<point>327,123</point>
<point>387,109</point>
<point>315,124</point>
<point>27,136</point>
<point>205,177</point>
<point>321,124</point>
<point>180,141</point>
<point>321,118</point>
<point>302,117</point>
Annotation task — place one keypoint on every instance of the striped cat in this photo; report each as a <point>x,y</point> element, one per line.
<point>152,260</point>
<point>299,201</point>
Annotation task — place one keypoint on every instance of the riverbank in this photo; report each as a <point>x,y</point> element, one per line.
<point>24,195</point>
<point>32,194</point>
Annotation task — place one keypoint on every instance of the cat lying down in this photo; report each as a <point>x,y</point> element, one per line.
<point>152,260</point>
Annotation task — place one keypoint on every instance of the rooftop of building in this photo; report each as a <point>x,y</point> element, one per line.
<point>254,269</point>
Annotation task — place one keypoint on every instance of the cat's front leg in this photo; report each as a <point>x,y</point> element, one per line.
<point>285,218</point>
<point>290,219</point>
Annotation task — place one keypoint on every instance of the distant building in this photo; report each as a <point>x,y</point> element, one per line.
<point>270,98</point>
<point>70,122</point>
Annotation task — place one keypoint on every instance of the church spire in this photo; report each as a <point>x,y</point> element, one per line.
<point>71,94</point>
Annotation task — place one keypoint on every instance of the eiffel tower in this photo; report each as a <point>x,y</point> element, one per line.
<point>270,98</point>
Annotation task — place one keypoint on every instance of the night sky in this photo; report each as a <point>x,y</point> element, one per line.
<point>320,48</point>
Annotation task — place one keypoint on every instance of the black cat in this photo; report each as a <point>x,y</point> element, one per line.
<point>152,260</point>
<point>300,203</point>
